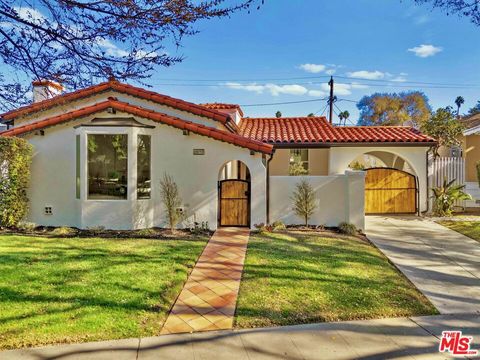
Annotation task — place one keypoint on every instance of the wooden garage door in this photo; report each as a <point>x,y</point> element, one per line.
<point>234,203</point>
<point>390,191</point>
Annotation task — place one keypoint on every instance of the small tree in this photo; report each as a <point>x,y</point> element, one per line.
<point>445,128</point>
<point>278,114</point>
<point>171,200</point>
<point>15,160</point>
<point>304,200</point>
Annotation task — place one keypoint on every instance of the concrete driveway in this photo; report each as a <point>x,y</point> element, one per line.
<point>443,264</point>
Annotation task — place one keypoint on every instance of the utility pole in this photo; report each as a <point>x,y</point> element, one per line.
<point>331,99</point>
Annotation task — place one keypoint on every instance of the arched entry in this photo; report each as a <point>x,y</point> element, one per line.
<point>390,191</point>
<point>234,195</point>
<point>391,184</point>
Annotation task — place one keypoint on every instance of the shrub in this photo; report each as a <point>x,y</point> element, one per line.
<point>146,232</point>
<point>171,200</point>
<point>26,226</point>
<point>263,229</point>
<point>347,228</point>
<point>278,226</point>
<point>63,231</point>
<point>445,197</point>
<point>304,200</point>
<point>15,160</point>
<point>477,166</point>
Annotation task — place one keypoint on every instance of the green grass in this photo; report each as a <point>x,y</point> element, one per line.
<point>295,278</point>
<point>73,290</point>
<point>468,228</point>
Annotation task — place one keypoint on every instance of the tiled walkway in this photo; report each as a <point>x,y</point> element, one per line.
<point>209,297</point>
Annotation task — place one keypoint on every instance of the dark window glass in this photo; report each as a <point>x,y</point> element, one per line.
<point>77,167</point>
<point>107,166</point>
<point>144,182</point>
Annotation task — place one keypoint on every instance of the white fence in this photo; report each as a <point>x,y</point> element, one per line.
<point>446,168</point>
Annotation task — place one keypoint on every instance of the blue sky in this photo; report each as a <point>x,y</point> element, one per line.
<point>286,51</point>
<point>356,38</point>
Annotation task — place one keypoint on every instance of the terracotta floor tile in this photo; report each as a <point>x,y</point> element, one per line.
<point>208,299</point>
<point>199,323</point>
<point>225,324</point>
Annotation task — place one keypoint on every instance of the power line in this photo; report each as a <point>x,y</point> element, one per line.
<point>389,81</point>
<point>284,103</point>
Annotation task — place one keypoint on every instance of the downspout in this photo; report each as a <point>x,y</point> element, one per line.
<point>428,185</point>
<point>268,187</point>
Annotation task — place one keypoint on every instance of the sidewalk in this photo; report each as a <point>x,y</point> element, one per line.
<point>400,338</point>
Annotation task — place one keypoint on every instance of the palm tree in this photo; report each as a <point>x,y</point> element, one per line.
<point>278,114</point>
<point>459,101</point>
<point>344,115</point>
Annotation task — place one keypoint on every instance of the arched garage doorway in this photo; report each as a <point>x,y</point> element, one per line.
<point>234,200</point>
<point>391,186</point>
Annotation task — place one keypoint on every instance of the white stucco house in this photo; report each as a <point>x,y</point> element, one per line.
<point>100,153</point>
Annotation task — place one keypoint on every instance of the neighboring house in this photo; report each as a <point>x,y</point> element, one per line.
<point>100,153</point>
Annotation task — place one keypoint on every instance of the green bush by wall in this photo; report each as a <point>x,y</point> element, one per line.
<point>15,160</point>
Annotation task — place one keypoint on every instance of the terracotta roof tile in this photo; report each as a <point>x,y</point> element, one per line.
<point>148,114</point>
<point>318,130</point>
<point>122,88</point>
<point>223,106</point>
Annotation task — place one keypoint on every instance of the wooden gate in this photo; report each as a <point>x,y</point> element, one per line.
<point>234,198</point>
<point>390,191</point>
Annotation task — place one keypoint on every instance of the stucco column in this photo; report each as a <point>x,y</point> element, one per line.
<point>355,199</point>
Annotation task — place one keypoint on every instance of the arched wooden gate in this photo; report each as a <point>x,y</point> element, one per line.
<point>234,203</point>
<point>390,191</point>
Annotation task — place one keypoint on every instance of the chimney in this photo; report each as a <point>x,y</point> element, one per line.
<point>46,89</point>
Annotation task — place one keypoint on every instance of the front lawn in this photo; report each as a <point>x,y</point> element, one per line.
<point>468,228</point>
<point>71,290</point>
<point>295,277</point>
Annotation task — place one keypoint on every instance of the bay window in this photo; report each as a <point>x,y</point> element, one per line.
<point>107,166</point>
<point>143,167</point>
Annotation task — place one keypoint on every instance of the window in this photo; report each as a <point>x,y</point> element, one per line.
<point>298,162</point>
<point>77,167</point>
<point>144,183</point>
<point>107,166</point>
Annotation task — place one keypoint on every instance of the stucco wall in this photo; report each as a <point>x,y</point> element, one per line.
<point>472,155</point>
<point>317,162</point>
<point>338,197</point>
<point>340,158</point>
<point>136,101</point>
<point>53,178</point>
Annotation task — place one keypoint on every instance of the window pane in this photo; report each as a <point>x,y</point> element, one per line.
<point>77,167</point>
<point>143,167</point>
<point>107,166</point>
<point>298,162</point>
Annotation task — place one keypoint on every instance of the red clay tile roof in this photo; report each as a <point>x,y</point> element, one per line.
<point>148,114</point>
<point>318,130</point>
<point>223,106</point>
<point>125,89</point>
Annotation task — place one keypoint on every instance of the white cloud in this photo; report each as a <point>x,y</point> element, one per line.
<point>317,93</point>
<point>313,68</point>
<point>110,48</point>
<point>424,51</point>
<point>273,89</point>
<point>30,14</point>
<point>368,75</point>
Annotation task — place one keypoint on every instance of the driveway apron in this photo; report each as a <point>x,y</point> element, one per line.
<point>443,264</point>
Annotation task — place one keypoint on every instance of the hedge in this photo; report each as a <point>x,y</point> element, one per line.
<point>15,160</point>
